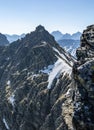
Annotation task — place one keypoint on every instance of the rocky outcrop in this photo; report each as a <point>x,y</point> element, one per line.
<point>3,40</point>
<point>83,73</point>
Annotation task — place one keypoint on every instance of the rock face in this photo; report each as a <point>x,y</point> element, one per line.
<point>43,88</point>
<point>83,73</point>
<point>3,40</point>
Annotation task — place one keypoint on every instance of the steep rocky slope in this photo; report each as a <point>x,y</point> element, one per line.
<point>34,75</point>
<point>43,88</point>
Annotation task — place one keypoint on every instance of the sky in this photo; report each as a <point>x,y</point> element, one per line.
<point>67,16</point>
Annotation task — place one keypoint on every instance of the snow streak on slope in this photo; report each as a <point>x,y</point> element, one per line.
<point>64,57</point>
<point>59,67</point>
<point>12,99</point>
<point>48,69</point>
<point>71,50</point>
<point>6,125</point>
<point>60,54</point>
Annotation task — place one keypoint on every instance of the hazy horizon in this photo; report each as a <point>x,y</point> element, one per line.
<point>67,16</point>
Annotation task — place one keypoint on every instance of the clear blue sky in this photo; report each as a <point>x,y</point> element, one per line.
<point>22,16</point>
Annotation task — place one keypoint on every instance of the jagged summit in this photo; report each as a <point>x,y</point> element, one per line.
<point>36,50</point>
<point>40,28</point>
<point>36,37</point>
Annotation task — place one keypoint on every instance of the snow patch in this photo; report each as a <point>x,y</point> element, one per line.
<point>7,58</point>
<point>47,70</point>
<point>73,52</point>
<point>6,125</point>
<point>8,82</point>
<point>24,69</point>
<point>68,92</point>
<point>59,53</point>
<point>77,104</point>
<point>59,67</point>
<point>44,42</point>
<point>34,76</point>
<point>12,99</point>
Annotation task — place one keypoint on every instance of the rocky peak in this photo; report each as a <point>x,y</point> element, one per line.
<point>36,37</point>
<point>36,50</point>
<point>40,28</point>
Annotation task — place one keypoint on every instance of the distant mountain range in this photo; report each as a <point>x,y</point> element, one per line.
<point>59,36</point>
<point>14,37</point>
<point>69,45</point>
<point>67,41</point>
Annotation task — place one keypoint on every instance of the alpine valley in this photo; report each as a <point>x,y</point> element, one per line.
<point>42,87</point>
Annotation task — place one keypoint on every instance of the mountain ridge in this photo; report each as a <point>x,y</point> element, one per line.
<point>70,45</point>
<point>29,72</point>
<point>57,34</point>
<point>60,36</point>
<point>14,37</point>
<point>42,87</point>
<point>70,42</point>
